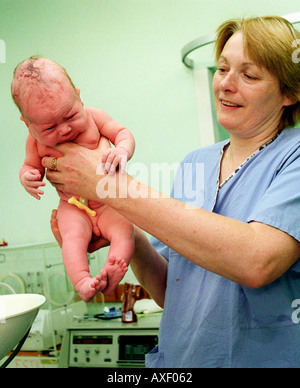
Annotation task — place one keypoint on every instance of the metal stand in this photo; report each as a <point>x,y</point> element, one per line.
<point>15,352</point>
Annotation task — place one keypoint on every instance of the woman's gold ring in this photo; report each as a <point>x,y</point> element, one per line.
<point>53,164</point>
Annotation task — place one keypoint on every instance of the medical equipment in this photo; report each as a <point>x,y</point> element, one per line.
<point>205,40</point>
<point>39,269</point>
<point>9,288</point>
<point>66,295</point>
<point>131,294</point>
<point>82,205</point>
<point>49,326</point>
<point>17,313</point>
<point>109,343</point>
<point>15,282</point>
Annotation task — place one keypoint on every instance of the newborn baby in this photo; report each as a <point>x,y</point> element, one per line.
<point>52,110</point>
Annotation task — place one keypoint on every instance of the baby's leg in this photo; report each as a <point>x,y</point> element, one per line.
<point>76,231</point>
<point>119,232</point>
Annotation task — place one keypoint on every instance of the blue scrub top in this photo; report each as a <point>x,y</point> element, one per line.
<point>208,320</point>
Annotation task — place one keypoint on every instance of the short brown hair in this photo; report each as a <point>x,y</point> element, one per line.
<point>268,42</point>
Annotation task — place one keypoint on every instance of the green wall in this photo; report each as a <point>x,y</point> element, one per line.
<point>124,55</point>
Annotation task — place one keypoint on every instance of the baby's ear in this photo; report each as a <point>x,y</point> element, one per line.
<point>78,91</point>
<point>22,119</point>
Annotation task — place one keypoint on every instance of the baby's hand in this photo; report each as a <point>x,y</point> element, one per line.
<point>32,180</point>
<point>114,157</point>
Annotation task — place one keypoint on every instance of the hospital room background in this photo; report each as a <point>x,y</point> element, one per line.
<point>125,56</point>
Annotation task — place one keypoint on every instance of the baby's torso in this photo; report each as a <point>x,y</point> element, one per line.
<point>89,138</point>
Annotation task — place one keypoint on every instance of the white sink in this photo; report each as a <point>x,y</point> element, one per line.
<point>17,313</point>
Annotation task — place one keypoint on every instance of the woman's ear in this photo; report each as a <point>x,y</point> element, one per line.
<point>287,101</point>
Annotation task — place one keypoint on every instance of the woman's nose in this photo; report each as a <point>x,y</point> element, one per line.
<point>229,83</point>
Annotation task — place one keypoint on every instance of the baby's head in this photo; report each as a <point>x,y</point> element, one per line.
<point>48,101</point>
<point>39,82</point>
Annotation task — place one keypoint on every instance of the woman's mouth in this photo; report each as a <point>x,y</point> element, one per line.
<point>229,104</point>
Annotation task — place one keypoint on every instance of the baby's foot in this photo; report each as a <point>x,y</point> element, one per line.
<point>116,269</point>
<point>89,287</point>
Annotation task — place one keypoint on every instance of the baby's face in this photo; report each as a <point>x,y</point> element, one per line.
<point>59,118</point>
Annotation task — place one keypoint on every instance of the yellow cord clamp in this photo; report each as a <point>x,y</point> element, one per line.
<point>82,204</point>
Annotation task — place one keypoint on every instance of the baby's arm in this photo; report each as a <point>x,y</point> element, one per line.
<point>120,136</point>
<point>32,172</point>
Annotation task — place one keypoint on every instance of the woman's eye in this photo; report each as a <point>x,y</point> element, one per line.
<point>251,77</point>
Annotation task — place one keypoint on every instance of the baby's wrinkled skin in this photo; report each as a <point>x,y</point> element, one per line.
<point>53,112</point>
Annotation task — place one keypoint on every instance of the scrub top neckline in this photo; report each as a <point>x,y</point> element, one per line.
<point>257,151</point>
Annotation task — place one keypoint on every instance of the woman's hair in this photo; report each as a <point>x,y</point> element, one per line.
<point>271,42</point>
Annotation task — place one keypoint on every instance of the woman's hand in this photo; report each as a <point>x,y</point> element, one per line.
<point>77,171</point>
<point>95,244</point>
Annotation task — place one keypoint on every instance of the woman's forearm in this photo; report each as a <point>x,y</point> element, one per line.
<point>149,267</point>
<point>250,254</point>
<point>214,242</point>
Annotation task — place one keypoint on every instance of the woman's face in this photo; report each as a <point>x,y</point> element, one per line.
<point>248,99</point>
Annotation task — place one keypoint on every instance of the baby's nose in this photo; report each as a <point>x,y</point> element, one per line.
<point>64,129</point>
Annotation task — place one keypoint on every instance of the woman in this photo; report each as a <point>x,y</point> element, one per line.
<point>225,271</point>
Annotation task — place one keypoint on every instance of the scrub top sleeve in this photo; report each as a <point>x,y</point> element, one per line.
<point>160,247</point>
<point>157,244</point>
<point>280,205</point>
